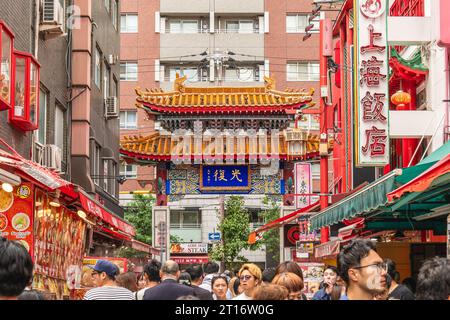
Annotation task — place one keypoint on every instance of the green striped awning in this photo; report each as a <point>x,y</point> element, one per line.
<point>370,198</point>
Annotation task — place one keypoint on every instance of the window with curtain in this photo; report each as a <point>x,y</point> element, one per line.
<point>303,71</point>
<point>97,68</point>
<point>297,22</point>
<point>128,170</point>
<point>128,70</point>
<point>129,23</point>
<point>128,119</point>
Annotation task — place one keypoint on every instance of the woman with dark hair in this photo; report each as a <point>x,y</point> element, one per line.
<point>329,281</point>
<point>235,287</point>
<point>127,280</point>
<point>219,286</point>
<point>396,291</point>
<point>152,276</point>
<point>337,292</point>
<point>185,278</point>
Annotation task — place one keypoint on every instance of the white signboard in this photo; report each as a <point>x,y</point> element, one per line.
<point>371,83</point>
<point>189,248</point>
<point>303,184</point>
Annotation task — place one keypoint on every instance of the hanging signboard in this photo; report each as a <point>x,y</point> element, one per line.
<point>448,237</point>
<point>303,184</point>
<point>225,177</point>
<point>371,83</point>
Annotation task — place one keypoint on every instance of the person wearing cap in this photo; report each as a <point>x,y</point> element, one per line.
<point>104,277</point>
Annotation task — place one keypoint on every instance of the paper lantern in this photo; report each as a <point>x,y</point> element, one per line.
<point>401,98</point>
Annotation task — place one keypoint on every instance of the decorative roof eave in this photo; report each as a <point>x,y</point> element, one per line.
<point>158,148</point>
<point>137,158</point>
<point>251,109</point>
<point>231,100</point>
<point>412,69</point>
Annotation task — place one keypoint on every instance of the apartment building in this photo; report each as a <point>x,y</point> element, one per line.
<point>228,43</point>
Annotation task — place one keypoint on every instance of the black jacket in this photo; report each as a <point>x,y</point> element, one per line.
<point>168,289</point>
<point>201,293</point>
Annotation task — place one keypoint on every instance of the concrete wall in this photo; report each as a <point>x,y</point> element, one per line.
<point>239,6</point>
<point>168,6</point>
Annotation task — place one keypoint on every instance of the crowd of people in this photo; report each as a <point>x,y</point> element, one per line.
<point>361,274</point>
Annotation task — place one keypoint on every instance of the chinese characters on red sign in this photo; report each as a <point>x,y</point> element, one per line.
<point>372,84</point>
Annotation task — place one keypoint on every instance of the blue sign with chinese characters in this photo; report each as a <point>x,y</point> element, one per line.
<point>225,177</point>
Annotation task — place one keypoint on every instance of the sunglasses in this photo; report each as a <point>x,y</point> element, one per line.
<point>245,278</point>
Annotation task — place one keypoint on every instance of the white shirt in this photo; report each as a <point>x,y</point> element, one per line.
<point>242,296</point>
<point>109,293</point>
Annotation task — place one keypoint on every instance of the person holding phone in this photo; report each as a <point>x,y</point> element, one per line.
<point>329,281</point>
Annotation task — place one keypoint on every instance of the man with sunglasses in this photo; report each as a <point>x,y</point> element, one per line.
<point>250,277</point>
<point>104,277</point>
<point>362,269</point>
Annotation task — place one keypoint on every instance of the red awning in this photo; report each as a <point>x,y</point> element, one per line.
<point>256,235</point>
<point>423,181</point>
<point>141,246</point>
<point>351,231</point>
<point>190,259</point>
<point>91,206</point>
<point>30,170</point>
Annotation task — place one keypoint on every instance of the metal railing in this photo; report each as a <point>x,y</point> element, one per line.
<point>185,225</point>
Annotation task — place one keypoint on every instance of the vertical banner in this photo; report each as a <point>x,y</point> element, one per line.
<point>371,83</point>
<point>161,231</point>
<point>303,184</point>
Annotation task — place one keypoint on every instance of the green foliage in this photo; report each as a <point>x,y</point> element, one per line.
<point>126,252</point>
<point>175,239</point>
<point>235,229</point>
<point>139,214</point>
<point>271,238</point>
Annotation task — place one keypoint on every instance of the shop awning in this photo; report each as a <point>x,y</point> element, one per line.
<point>143,247</point>
<point>427,196</point>
<point>367,199</point>
<point>424,181</point>
<point>29,169</point>
<point>93,207</point>
<point>190,259</point>
<point>256,235</point>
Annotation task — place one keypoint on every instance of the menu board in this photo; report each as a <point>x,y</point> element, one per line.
<point>16,215</point>
<point>312,277</point>
<point>59,243</point>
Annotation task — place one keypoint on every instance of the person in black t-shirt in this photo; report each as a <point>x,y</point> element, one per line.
<point>396,291</point>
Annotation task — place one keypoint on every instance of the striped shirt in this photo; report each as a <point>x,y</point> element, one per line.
<point>109,293</point>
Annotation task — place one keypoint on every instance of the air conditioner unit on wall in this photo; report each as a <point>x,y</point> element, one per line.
<point>52,21</point>
<point>52,157</point>
<point>111,107</point>
<point>112,59</point>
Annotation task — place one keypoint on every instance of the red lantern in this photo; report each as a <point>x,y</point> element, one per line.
<point>401,98</point>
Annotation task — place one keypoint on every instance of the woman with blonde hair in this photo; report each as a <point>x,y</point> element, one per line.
<point>250,277</point>
<point>292,282</point>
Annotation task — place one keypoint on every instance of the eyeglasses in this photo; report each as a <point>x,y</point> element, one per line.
<point>381,266</point>
<point>245,278</point>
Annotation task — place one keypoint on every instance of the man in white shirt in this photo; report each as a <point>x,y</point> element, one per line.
<point>104,276</point>
<point>250,277</point>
